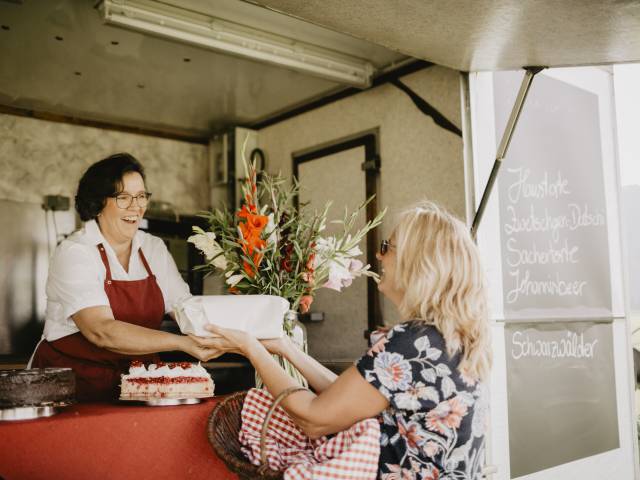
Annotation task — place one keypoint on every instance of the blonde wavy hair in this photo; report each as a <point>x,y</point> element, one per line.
<point>439,271</point>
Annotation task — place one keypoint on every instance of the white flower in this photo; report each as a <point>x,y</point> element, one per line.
<point>233,280</point>
<point>206,243</point>
<point>339,276</point>
<point>410,399</point>
<point>343,268</point>
<point>353,252</point>
<point>271,230</point>
<point>342,271</point>
<point>393,371</point>
<point>324,248</point>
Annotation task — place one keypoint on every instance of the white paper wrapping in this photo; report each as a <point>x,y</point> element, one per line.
<point>260,315</point>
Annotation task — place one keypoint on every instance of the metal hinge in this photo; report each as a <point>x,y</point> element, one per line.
<point>373,164</point>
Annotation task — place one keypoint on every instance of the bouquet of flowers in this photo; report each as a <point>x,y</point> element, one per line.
<point>271,246</point>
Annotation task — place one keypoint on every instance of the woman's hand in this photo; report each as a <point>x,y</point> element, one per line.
<point>230,340</point>
<point>278,346</point>
<point>204,349</point>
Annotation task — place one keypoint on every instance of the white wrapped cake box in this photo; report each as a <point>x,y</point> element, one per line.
<point>260,315</point>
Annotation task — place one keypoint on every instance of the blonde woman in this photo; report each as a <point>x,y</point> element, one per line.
<point>424,377</point>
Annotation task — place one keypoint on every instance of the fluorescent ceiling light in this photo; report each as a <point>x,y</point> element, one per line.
<point>229,37</point>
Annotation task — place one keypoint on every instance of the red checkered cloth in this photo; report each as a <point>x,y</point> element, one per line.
<point>349,455</point>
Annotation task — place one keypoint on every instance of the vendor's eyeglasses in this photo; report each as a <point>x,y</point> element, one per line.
<point>385,245</point>
<point>125,200</point>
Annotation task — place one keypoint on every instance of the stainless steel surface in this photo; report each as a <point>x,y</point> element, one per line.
<point>101,72</point>
<point>485,34</point>
<point>24,250</point>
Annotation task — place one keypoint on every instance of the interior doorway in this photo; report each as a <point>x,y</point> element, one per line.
<point>344,172</point>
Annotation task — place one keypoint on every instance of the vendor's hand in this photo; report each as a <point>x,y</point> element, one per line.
<point>218,344</point>
<point>230,340</point>
<point>199,348</point>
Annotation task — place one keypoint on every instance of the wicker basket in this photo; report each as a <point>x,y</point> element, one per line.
<point>223,428</point>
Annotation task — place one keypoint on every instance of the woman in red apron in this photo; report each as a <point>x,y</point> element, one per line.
<point>112,200</point>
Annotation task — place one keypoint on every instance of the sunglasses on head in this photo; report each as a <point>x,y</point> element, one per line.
<point>385,245</point>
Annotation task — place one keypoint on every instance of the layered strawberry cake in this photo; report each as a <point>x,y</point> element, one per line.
<point>165,380</point>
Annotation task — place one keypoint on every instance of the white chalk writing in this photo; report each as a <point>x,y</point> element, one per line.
<point>552,286</point>
<point>522,188</point>
<point>538,219</point>
<point>573,346</point>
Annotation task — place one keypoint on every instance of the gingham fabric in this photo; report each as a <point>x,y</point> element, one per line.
<point>349,455</point>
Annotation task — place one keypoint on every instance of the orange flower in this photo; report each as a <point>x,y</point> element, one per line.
<point>309,264</point>
<point>251,231</point>
<point>252,227</point>
<point>258,222</point>
<point>248,268</point>
<point>247,210</point>
<point>249,235</point>
<point>257,259</point>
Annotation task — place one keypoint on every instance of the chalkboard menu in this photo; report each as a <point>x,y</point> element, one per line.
<point>561,393</point>
<point>554,241</point>
<point>562,403</point>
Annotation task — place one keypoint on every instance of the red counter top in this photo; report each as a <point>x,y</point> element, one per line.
<point>112,441</point>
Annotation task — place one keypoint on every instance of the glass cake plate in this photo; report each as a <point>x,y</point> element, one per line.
<point>33,411</point>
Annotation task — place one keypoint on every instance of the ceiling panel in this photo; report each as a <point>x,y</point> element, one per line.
<point>59,57</point>
<point>485,34</point>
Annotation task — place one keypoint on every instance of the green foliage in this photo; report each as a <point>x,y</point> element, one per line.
<point>290,264</point>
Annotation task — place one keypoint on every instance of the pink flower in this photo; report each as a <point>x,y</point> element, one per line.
<point>430,473</point>
<point>308,277</point>
<point>397,473</point>
<point>305,303</point>
<point>446,415</point>
<point>431,448</point>
<point>342,271</point>
<point>413,434</point>
<point>355,266</point>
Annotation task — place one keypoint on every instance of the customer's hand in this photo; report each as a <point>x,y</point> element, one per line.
<point>230,340</point>
<point>204,349</point>
<point>278,346</point>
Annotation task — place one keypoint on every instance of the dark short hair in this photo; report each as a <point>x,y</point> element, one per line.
<point>102,180</point>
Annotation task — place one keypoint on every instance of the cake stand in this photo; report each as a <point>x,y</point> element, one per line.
<point>163,402</point>
<point>31,412</point>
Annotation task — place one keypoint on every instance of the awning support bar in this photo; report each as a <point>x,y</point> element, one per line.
<point>530,72</point>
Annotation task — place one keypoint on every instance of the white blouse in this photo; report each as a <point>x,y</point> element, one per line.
<point>77,275</point>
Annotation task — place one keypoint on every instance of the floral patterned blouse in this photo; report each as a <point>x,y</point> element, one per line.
<point>434,426</point>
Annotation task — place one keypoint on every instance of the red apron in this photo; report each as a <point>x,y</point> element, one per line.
<point>139,302</point>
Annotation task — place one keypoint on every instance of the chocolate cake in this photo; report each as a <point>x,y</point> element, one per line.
<point>36,387</point>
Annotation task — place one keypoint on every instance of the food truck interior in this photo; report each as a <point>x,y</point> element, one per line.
<point>353,97</point>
